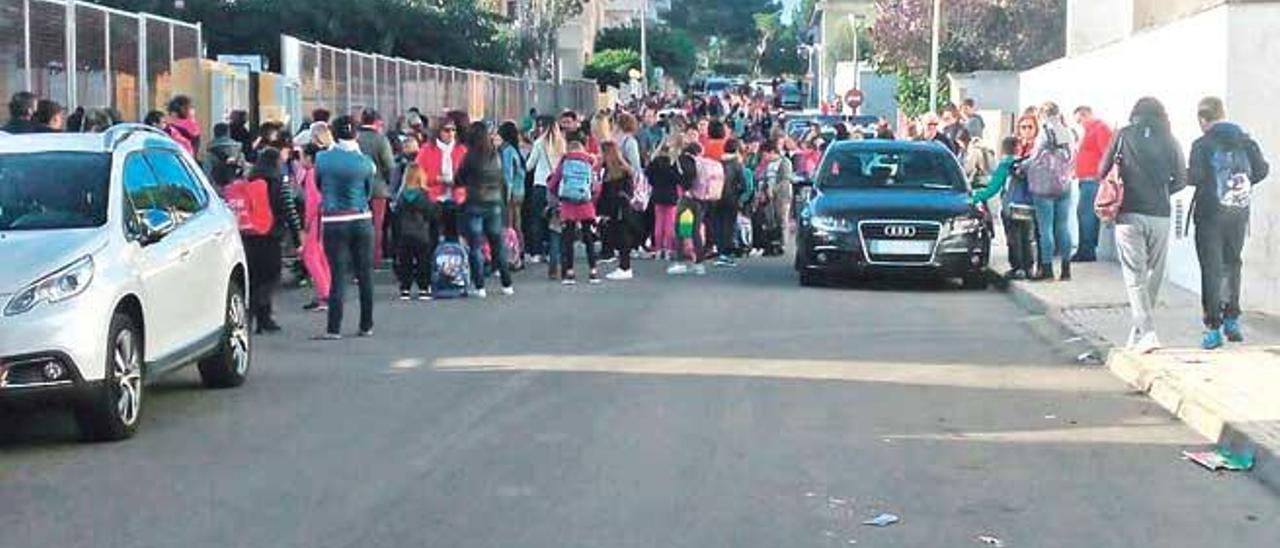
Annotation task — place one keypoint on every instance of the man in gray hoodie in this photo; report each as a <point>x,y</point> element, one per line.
<point>1223,152</point>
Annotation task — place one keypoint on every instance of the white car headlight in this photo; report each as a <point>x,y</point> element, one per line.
<point>831,224</point>
<point>64,284</point>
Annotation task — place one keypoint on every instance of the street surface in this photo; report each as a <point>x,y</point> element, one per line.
<point>732,410</point>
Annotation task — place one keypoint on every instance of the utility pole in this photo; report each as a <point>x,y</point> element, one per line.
<point>933,68</point>
<point>644,46</point>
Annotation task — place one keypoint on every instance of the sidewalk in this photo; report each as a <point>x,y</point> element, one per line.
<point>1229,396</point>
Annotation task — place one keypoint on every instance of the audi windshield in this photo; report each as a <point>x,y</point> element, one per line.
<point>890,168</point>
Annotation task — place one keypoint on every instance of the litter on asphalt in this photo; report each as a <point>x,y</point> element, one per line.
<point>882,520</point>
<point>991,541</point>
<point>1220,459</point>
<point>1089,358</point>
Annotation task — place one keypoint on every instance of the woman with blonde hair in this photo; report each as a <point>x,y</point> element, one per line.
<point>668,173</point>
<point>321,135</point>
<point>547,150</point>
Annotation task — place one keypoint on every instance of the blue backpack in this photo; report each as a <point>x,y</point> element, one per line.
<point>575,181</point>
<point>451,276</point>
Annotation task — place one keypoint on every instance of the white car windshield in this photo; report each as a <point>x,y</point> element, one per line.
<point>53,190</point>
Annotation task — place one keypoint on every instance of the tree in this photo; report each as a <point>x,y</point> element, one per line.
<point>976,35</point>
<point>727,21</point>
<point>540,32</point>
<point>610,67</point>
<point>669,47</point>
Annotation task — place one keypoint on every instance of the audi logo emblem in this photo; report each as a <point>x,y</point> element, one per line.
<point>900,231</point>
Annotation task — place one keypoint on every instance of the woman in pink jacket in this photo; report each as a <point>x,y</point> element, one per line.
<point>313,257</point>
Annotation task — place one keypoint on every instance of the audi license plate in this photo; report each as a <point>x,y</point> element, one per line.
<point>900,247</point>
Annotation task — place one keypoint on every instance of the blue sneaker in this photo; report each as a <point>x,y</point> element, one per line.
<point>1231,328</point>
<point>1212,340</point>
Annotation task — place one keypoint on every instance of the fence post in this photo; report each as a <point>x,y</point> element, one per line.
<point>143,86</point>
<point>70,40</point>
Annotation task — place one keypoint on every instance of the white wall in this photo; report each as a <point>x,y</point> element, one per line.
<point>1095,23</point>
<point>1178,63</point>
<point>1253,91</point>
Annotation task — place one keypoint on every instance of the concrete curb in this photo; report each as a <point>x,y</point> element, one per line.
<point>1207,416</point>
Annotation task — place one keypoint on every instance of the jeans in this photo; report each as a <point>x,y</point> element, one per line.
<point>1143,244</point>
<point>349,245</point>
<point>414,261</point>
<point>1219,243</point>
<point>573,230</point>
<point>486,223</point>
<point>535,221</point>
<point>1090,225</point>
<point>1058,225</point>
<point>1020,235</point>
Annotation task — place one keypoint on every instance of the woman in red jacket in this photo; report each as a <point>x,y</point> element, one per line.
<point>440,160</point>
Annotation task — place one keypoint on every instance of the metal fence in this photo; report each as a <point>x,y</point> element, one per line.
<point>342,80</point>
<point>82,54</point>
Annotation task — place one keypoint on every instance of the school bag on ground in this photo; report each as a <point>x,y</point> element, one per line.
<point>251,203</point>
<point>1231,175</point>
<point>709,184</point>
<point>1049,171</point>
<point>515,249</point>
<point>576,177</point>
<point>451,273</point>
<point>684,224</point>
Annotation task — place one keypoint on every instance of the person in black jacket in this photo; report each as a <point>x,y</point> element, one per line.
<point>22,107</point>
<point>724,213</point>
<point>1223,151</point>
<point>264,252</point>
<point>669,172</point>
<point>1153,169</point>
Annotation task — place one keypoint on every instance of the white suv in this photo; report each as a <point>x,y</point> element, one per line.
<point>120,263</point>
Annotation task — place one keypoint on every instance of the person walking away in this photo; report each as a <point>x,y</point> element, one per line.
<point>1019,215</point>
<point>622,222</point>
<point>774,198</point>
<point>724,212</point>
<point>415,212</point>
<point>1056,194</point>
<point>668,173</point>
<point>513,172</point>
<point>482,177</point>
<point>22,107</point>
<point>376,146</point>
<point>575,189</point>
<point>1152,168</point>
<point>547,151</point>
<point>182,124</point>
<point>1096,137</point>
<point>1225,165</point>
<point>263,251</point>
<point>345,177</point>
<point>440,159</point>
<point>313,257</point>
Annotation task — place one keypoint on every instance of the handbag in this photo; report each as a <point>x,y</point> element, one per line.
<point>1111,192</point>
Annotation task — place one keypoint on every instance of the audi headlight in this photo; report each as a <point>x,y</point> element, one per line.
<point>831,224</point>
<point>64,284</point>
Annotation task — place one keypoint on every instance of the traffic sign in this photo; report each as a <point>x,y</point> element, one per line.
<point>854,98</point>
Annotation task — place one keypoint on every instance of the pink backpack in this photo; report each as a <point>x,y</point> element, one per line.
<point>709,184</point>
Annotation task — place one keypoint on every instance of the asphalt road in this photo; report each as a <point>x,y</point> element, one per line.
<point>732,410</point>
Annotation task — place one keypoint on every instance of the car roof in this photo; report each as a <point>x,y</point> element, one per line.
<point>83,142</point>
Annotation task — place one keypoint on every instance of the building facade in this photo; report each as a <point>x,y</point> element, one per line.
<point>834,22</point>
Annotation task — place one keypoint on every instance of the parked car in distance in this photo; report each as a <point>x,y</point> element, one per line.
<point>890,208</point>
<point>120,264</point>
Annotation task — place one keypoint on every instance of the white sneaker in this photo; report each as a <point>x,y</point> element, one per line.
<point>620,275</point>
<point>699,269</point>
<point>678,269</point>
<point>508,291</point>
<point>536,259</point>
<point>1147,344</point>
<point>481,294</point>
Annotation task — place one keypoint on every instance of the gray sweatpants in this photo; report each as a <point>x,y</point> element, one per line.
<point>1142,242</point>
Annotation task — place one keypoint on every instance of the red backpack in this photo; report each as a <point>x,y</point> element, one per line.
<point>251,202</point>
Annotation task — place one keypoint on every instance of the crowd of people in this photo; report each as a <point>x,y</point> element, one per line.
<point>449,202</point>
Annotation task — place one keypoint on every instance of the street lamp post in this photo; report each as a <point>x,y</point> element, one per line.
<point>644,46</point>
<point>857,62</point>
<point>933,67</point>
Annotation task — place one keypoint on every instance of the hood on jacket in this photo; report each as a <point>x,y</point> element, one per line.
<point>1227,133</point>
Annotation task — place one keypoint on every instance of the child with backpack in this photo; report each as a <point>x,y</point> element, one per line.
<point>264,206</point>
<point>1019,223</point>
<point>415,246</point>
<point>706,187</point>
<point>575,188</point>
